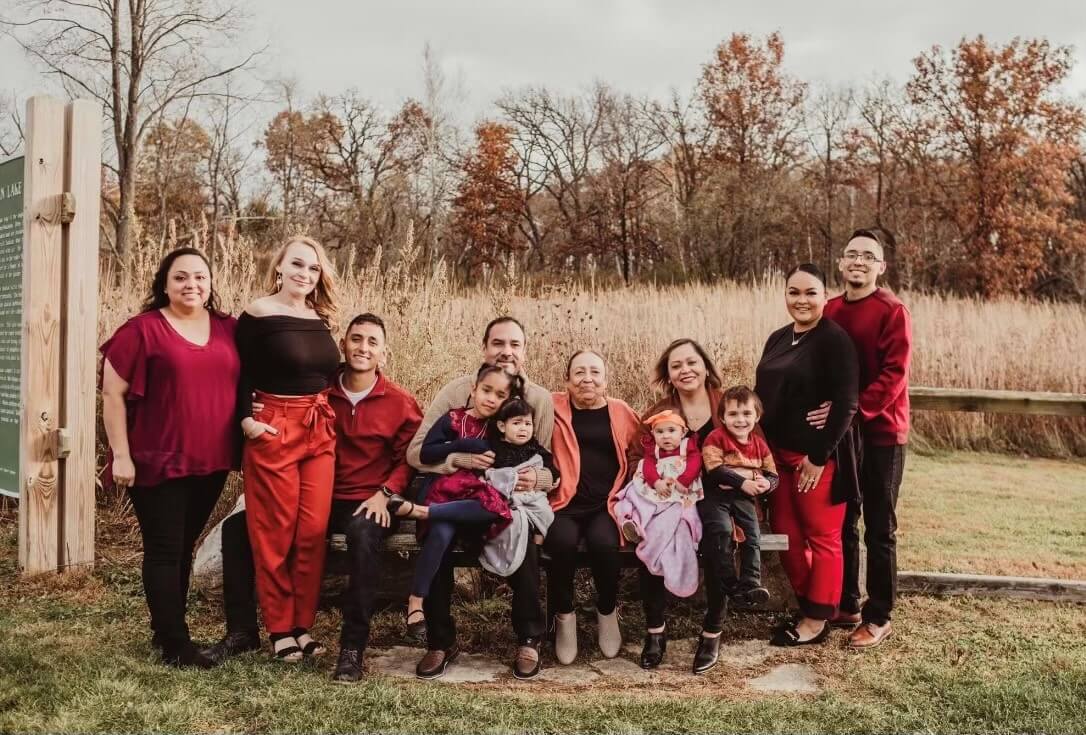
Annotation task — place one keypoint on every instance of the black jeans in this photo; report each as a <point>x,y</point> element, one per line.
<point>880,482</point>
<point>601,537</point>
<point>527,611</point>
<point>365,543</point>
<point>171,517</point>
<point>719,510</point>
<point>238,576</point>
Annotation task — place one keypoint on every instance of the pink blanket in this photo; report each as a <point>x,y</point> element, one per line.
<point>670,531</point>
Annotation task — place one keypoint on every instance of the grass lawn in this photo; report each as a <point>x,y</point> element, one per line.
<point>993,514</point>
<point>75,654</point>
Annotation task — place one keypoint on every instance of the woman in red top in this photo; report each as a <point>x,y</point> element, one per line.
<point>169,382</point>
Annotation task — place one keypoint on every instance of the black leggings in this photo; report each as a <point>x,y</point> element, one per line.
<point>601,537</point>
<point>171,517</point>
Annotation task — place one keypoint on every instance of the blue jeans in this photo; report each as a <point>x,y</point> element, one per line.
<point>445,520</point>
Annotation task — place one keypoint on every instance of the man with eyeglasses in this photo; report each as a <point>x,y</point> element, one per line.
<point>880,327</point>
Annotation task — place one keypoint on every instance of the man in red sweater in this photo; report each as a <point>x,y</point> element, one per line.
<point>880,327</point>
<point>375,421</point>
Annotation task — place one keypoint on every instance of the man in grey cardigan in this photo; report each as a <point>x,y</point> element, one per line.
<point>503,345</point>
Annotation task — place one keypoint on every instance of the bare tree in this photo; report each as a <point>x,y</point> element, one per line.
<point>564,137</point>
<point>139,59</point>
<point>829,114</point>
<point>11,126</point>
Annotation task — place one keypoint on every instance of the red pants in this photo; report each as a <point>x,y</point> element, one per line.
<point>814,561</point>
<point>288,497</point>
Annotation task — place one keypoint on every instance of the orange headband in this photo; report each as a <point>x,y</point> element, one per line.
<point>665,417</point>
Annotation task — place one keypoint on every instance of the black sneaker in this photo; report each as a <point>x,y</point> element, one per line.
<point>750,598</point>
<point>349,666</point>
<point>234,643</point>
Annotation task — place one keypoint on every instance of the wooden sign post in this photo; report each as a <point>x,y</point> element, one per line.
<point>60,189</point>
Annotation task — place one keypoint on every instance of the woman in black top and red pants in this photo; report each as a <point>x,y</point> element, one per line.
<point>288,357</point>
<point>803,364</point>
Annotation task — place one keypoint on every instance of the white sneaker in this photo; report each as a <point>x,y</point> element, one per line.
<point>610,636</point>
<point>565,638</point>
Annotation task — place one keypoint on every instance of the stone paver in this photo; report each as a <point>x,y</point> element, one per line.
<point>787,678</point>
<point>399,661</point>
<point>620,667</point>
<point>573,675</point>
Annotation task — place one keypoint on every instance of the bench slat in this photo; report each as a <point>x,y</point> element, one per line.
<point>406,542</point>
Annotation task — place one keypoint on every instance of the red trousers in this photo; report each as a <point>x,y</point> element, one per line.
<point>815,559</point>
<point>288,497</point>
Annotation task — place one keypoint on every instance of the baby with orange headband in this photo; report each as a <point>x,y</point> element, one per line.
<point>656,510</point>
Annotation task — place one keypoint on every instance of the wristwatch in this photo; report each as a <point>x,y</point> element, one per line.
<point>387,493</point>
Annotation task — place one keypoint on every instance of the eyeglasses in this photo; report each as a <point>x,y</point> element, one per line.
<point>864,257</point>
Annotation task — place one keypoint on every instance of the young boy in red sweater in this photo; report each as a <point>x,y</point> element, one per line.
<point>881,329</point>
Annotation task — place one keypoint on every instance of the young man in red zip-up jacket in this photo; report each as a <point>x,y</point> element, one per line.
<point>375,421</point>
<point>881,329</point>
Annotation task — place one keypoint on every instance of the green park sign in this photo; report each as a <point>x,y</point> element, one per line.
<point>11,320</point>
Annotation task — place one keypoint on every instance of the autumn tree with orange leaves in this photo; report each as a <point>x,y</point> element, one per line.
<point>487,206</point>
<point>1000,145</point>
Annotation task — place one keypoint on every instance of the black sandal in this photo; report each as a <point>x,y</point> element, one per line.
<point>417,629</point>
<point>311,649</point>
<point>395,503</point>
<point>787,636</point>
<point>287,654</point>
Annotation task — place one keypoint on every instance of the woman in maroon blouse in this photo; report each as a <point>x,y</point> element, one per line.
<point>169,384</point>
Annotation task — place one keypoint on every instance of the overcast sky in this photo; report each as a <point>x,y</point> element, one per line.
<point>638,46</point>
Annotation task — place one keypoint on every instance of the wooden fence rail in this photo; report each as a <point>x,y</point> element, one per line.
<point>1007,402</point>
<point>997,401</point>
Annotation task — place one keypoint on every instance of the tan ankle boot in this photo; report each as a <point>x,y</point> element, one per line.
<point>565,638</point>
<point>610,636</point>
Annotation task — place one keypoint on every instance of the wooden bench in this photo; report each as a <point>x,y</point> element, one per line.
<point>404,543</point>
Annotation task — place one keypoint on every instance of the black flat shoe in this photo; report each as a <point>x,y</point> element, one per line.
<point>652,653</point>
<point>349,666</point>
<point>708,653</point>
<point>233,644</point>
<point>789,636</point>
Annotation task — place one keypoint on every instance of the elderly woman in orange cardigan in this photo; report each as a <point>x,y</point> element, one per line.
<point>591,441</point>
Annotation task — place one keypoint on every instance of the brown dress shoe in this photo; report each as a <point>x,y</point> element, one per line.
<point>435,662</point>
<point>846,620</point>
<point>527,664</point>
<point>869,635</point>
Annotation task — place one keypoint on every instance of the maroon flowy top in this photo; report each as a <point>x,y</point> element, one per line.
<point>181,398</point>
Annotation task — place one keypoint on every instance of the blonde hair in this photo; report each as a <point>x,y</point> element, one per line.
<point>322,299</point>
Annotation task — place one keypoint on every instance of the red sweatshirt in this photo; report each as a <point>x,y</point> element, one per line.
<point>693,460</point>
<point>372,439</point>
<point>881,329</point>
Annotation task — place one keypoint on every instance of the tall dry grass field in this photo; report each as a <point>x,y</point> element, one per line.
<point>435,330</point>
